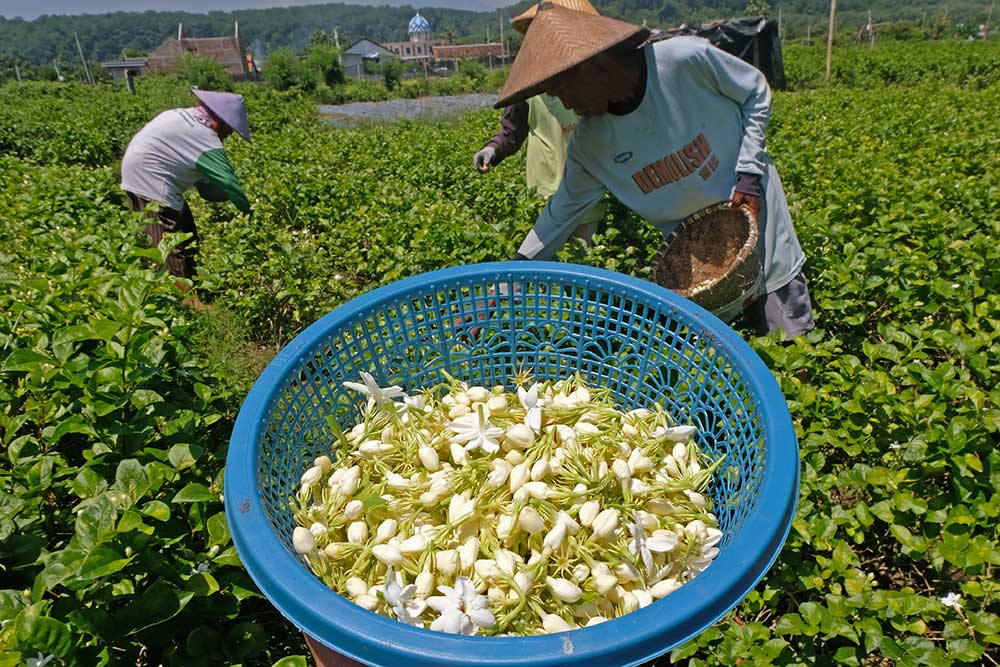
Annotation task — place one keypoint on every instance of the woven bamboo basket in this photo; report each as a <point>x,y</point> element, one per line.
<point>712,259</point>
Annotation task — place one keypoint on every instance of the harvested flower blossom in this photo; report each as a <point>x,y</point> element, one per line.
<point>463,611</point>
<point>524,527</point>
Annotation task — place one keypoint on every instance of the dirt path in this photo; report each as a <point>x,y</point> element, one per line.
<point>343,115</point>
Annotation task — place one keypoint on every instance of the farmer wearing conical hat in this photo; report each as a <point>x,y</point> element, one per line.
<point>670,128</point>
<point>546,124</point>
<point>178,149</point>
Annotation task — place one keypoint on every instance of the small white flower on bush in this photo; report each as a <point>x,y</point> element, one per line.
<point>953,600</point>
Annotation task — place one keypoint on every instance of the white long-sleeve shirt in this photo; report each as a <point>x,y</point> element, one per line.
<point>702,120</point>
<point>175,151</point>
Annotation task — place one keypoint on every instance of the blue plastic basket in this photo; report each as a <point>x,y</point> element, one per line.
<point>642,341</point>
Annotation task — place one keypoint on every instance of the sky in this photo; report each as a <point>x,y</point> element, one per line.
<point>30,9</point>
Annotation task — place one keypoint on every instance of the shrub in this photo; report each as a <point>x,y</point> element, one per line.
<point>203,72</point>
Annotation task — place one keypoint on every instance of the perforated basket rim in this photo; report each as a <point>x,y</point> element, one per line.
<point>630,640</point>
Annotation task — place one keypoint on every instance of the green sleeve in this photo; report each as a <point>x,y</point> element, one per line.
<point>209,191</point>
<point>219,172</point>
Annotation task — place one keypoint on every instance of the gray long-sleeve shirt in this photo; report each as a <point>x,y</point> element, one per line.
<point>701,122</point>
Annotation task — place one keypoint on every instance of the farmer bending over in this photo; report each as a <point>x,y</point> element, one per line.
<point>178,149</point>
<point>670,128</point>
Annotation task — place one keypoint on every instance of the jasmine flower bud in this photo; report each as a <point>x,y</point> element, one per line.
<point>552,624</point>
<point>353,509</point>
<point>565,590</point>
<point>606,523</point>
<point>588,512</point>
<point>303,540</point>
<point>530,521</point>
<point>497,405</point>
<point>366,601</point>
<point>357,533</point>
<point>555,537</point>
<point>519,436</point>
<point>664,588</point>
<point>540,469</point>
<point>429,457</point>
<point>414,544</point>
<point>356,587</point>
<point>387,554</point>
<point>386,530</point>
<point>605,583</point>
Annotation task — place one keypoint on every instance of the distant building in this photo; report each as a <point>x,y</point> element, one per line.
<point>361,52</point>
<point>227,51</point>
<point>468,51</point>
<point>420,45</point>
<point>119,68</point>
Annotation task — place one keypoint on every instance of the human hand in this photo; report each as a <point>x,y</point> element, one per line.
<point>484,159</point>
<point>750,202</point>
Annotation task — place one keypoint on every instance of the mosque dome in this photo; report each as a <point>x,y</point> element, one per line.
<point>418,24</point>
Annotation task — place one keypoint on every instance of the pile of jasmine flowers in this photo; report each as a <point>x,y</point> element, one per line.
<point>485,511</point>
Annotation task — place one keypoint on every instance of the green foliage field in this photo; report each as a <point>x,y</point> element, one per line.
<point>116,401</point>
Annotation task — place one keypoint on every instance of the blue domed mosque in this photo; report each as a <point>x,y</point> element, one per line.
<point>420,45</point>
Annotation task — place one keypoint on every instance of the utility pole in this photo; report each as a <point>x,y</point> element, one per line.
<point>871,32</point>
<point>986,28</point>
<point>59,76</point>
<point>17,71</point>
<point>180,31</point>
<point>779,22</point>
<point>86,70</point>
<point>336,39</point>
<point>503,49</point>
<point>829,38</point>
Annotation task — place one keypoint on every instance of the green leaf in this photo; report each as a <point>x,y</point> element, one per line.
<point>292,661</point>
<point>218,529</point>
<point>159,602</point>
<point>24,360</point>
<point>157,510</point>
<point>184,455</point>
<point>195,493</point>
<point>88,483</point>
<point>72,424</point>
<point>42,633</point>
<point>245,641</point>
<point>130,479</point>
<point>102,561</point>
<point>95,523</point>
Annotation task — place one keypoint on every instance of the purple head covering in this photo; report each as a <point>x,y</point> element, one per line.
<point>227,107</point>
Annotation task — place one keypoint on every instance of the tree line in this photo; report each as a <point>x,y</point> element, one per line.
<point>49,42</point>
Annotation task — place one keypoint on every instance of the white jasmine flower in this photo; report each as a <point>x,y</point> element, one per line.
<point>414,544</point>
<point>678,434</point>
<point>353,509</point>
<point>564,589</point>
<point>520,435</point>
<point>606,523</point>
<point>555,537</point>
<point>552,624</point>
<point>475,430</point>
<point>303,540</point>
<point>381,396</point>
<point>953,600</point>
<point>462,610</point>
<point>529,401</point>
<point>460,508</point>
<point>41,660</point>
<point>388,554</point>
<point>403,600</point>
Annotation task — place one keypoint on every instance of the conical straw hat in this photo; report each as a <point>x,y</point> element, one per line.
<point>557,40</point>
<point>522,21</point>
